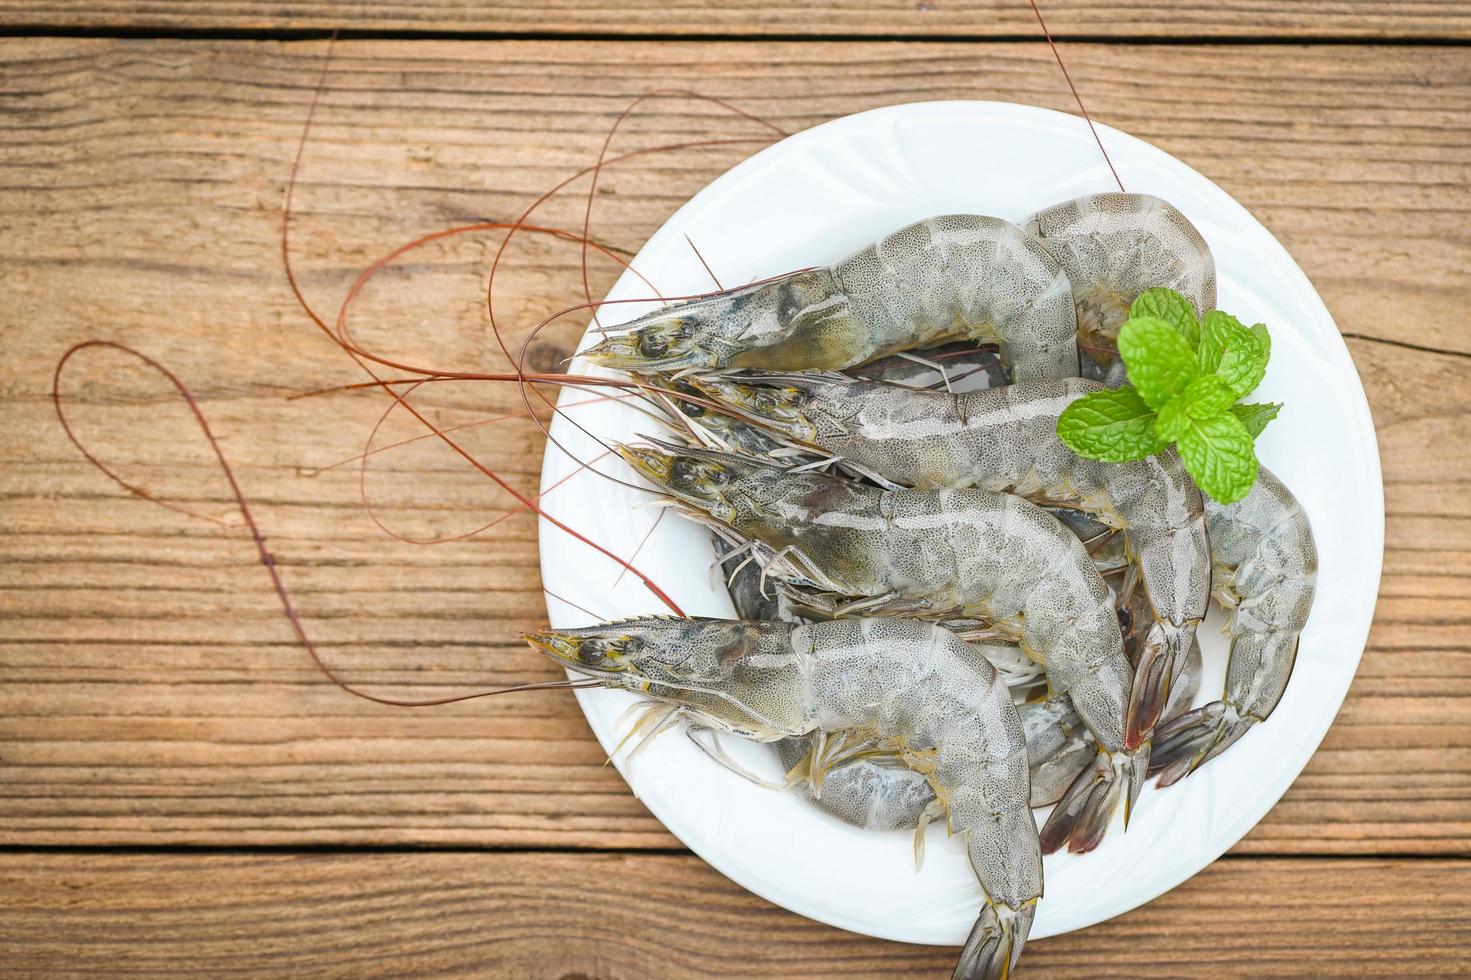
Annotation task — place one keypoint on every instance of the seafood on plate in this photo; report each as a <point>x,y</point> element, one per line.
<point>915,686</point>
<point>844,548</point>
<point>915,518</point>
<point>1005,439</point>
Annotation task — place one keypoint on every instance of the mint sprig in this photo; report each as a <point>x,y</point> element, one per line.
<point>1186,377</point>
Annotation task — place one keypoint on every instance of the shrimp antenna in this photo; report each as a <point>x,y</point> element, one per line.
<point>266,558</point>
<point>1076,97</point>
<point>361,359</point>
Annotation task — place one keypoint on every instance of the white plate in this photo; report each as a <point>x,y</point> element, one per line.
<point>814,198</point>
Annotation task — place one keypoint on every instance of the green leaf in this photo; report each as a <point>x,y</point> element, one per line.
<point>1171,422</point>
<point>1218,453</point>
<point>1159,361</point>
<point>1259,331</point>
<point>1214,332</point>
<point>1172,308</point>
<point>1206,397</point>
<point>1255,416</point>
<point>1232,351</point>
<point>1111,425</point>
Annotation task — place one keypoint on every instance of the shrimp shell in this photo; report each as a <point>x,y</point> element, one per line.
<point>913,683</point>
<point>939,279</point>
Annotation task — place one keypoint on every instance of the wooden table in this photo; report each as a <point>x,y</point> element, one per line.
<point>181,789</point>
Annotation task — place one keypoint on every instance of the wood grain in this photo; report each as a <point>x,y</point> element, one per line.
<point>882,18</point>
<point>151,691</point>
<point>622,915</point>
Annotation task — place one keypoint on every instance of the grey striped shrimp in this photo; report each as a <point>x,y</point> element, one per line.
<point>1113,247</point>
<point>1005,439</point>
<point>914,685</point>
<point>862,785</point>
<point>950,277</point>
<point>845,549</point>
<point>1266,570</point>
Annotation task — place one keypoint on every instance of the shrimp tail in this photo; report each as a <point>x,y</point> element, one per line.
<point>1052,776</point>
<point>995,943</point>
<point>1185,744</point>
<point>1161,656</point>
<point>1136,772</point>
<point>1083,814</point>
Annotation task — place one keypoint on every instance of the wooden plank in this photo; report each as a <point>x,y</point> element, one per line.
<point>621,915</point>
<point>883,18</point>
<point>150,690</point>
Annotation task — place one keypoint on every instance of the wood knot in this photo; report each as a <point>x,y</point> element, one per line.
<point>546,357</point>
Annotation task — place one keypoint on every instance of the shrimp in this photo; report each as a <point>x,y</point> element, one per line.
<point>1266,568</point>
<point>1113,247</point>
<point>863,782</point>
<point>914,684</point>
<point>943,278</point>
<point>1006,439</point>
<point>864,786</point>
<point>842,548</point>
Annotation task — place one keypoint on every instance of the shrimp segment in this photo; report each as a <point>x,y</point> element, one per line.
<point>843,547</point>
<point>912,683</point>
<point>1266,570</point>
<point>1005,439</point>
<point>1113,247</point>
<point>943,278</point>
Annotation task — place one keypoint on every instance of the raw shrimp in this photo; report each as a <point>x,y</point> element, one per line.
<point>1266,569</point>
<point>842,548</point>
<point>1006,439</point>
<point>912,683</point>
<point>943,278</point>
<point>1113,247</point>
<point>868,788</point>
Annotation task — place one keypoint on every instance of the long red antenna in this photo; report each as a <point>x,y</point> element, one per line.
<point>1076,97</point>
<point>361,362</point>
<point>266,558</point>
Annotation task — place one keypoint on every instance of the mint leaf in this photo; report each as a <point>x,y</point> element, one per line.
<point>1232,351</point>
<point>1159,361</point>
<point>1259,331</point>
<point>1172,308</point>
<point>1171,422</point>
<point>1255,416</point>
<point>1113,425</point>
<point>1206,397</point>
<point>1218,453</point>
<point>1214,333</point>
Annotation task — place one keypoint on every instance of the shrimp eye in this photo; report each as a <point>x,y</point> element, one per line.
<point>652,343</point>
<point>589,651</point>
<point>694,474</point>
<point>684,473</point>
